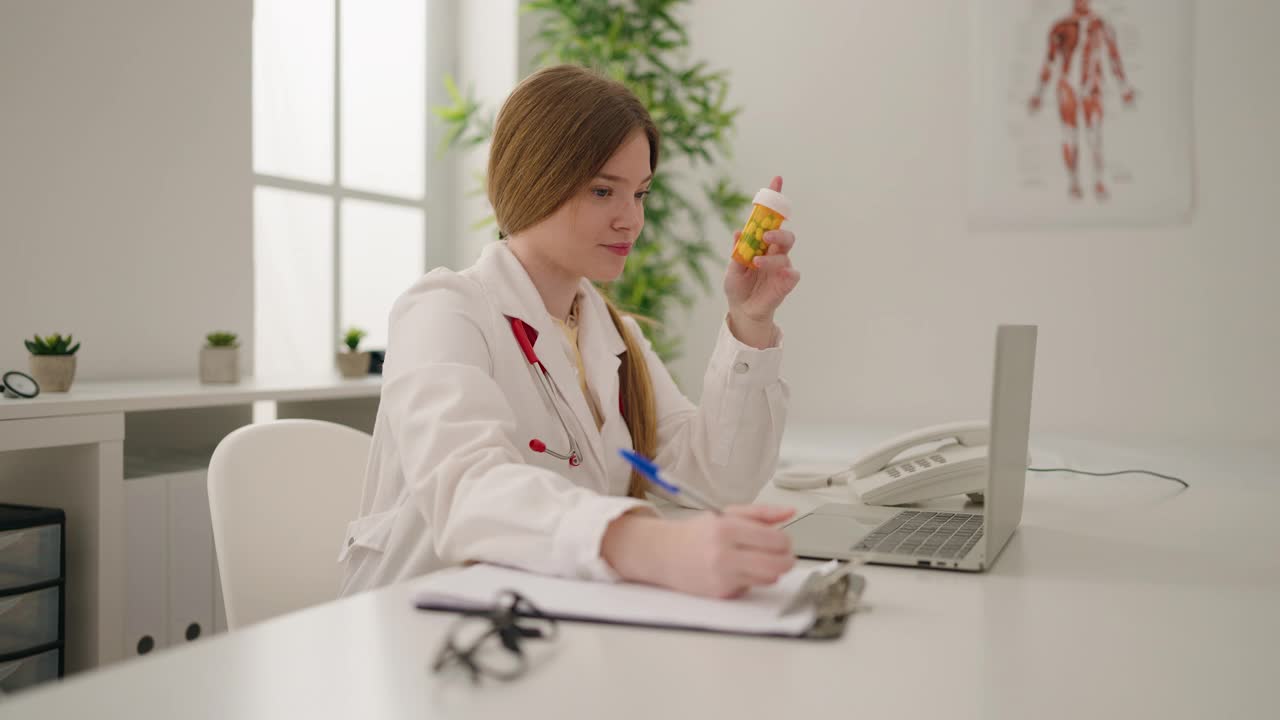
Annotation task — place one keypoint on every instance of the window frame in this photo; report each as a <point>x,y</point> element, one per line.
<point>438,177</point>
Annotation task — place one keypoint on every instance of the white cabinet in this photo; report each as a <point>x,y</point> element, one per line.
<point>191,565</point>
<point>172,594</point>
<point>146,550</point>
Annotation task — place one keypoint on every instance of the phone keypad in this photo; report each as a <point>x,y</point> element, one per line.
<point>911,466</point>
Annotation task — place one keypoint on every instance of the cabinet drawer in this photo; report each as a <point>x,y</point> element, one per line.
<point>30,555</point>
<point>28,620</point>
<point>28,671</point>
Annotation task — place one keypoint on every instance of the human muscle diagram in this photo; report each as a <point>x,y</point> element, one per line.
<point>1079,42</point>
<point>1081,111</point>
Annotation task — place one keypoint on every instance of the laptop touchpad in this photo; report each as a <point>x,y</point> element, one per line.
<point>827,533</point>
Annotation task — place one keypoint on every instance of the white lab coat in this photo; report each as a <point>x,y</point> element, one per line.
<point>451,477</point>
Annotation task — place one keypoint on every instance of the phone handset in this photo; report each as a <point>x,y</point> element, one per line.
<point>880,477</point>
<point>967,433</point>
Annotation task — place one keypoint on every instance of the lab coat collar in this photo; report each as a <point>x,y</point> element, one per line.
<point>515,295</point>
<point>511,289</point>
<point>596,329</point>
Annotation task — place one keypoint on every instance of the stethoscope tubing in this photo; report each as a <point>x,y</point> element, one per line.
<point>549,391</point>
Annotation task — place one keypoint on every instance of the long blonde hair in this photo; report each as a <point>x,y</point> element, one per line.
<point>552,136</point>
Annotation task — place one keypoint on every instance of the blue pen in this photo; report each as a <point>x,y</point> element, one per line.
<point>647,468</point>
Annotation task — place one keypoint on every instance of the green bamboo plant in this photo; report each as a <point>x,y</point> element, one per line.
<point>642,45</point>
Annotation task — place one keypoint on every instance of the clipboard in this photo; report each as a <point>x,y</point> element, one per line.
<point>806,603</point>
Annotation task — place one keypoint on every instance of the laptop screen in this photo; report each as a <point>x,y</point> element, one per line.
<point>1010,430</point>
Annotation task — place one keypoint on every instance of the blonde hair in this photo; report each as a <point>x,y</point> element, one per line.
<point>553,134</point>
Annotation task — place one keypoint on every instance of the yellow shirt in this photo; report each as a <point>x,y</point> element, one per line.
<point>570,330</point>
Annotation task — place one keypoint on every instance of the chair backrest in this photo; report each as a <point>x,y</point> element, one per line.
<point>280,496</point>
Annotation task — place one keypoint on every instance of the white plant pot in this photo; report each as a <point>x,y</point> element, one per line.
<point>353,365</point>
<point>219,364</point>
<point>54,373</point>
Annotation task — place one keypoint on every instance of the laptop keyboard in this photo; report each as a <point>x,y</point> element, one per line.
<point>925,534</point>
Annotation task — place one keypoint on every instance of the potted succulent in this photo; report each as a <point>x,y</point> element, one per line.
<point>220,358</point>
<point>351,363</point>
<point>53,361</point>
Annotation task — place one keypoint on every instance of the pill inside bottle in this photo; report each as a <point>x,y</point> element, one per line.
<point>768,209</point>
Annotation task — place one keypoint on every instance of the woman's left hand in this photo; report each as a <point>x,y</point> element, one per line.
<point>755,293</point>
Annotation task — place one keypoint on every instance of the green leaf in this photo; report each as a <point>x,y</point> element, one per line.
<point>451,87</point>
<point>484,222</point>
<point>532,5</point>
<point>448,140</point>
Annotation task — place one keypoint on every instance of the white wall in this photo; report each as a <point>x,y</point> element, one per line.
<point>1167,332</point>
<point>488,67</point>
<point>125,211</point>
<point>125,180</point>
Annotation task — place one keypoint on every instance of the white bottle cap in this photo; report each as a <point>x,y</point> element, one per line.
<point>773,200</point>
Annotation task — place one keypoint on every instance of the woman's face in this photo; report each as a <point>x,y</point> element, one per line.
<point>591,234</point>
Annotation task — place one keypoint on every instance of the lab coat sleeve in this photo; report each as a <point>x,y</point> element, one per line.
<point>727,446</point>
<point>453,428</point>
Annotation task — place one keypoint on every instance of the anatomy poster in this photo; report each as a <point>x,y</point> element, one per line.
<point>1081,112</point>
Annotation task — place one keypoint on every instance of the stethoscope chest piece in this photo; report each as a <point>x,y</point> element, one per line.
<point>16,384</point>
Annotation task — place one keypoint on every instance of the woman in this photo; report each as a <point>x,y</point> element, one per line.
<point>455,471</point>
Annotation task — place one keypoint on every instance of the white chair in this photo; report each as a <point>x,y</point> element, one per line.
<point>280,497</point>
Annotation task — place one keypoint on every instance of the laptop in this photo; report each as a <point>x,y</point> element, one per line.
<point>970,538</point>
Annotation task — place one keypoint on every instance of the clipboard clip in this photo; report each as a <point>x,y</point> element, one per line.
<point>834,591</point>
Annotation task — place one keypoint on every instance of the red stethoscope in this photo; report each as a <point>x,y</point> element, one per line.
<point>526,335</point>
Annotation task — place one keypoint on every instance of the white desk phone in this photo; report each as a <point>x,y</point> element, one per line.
<point>881,477</point>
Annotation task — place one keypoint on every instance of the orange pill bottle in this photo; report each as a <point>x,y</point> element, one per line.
<point>769,209</point>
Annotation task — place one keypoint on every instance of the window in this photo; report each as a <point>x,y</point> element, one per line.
<point>341,172</point>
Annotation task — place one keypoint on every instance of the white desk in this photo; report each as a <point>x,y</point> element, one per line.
<point>76,450</point>
<point>86,398</point>
<point>1116,598</point>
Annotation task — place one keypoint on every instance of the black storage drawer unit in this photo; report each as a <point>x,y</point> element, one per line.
<point>32,595</point>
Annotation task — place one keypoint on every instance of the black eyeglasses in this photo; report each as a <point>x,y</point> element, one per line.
<point>488,642</point>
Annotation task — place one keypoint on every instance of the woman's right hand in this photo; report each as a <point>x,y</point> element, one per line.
<point>712,555</point>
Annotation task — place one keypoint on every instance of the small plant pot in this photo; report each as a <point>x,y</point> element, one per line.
<point>219,365</point>
<point>54,373</point>
<point>353,364</point>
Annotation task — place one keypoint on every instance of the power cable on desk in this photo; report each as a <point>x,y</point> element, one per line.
<point>1178,480</point>
<point>808,478</point>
